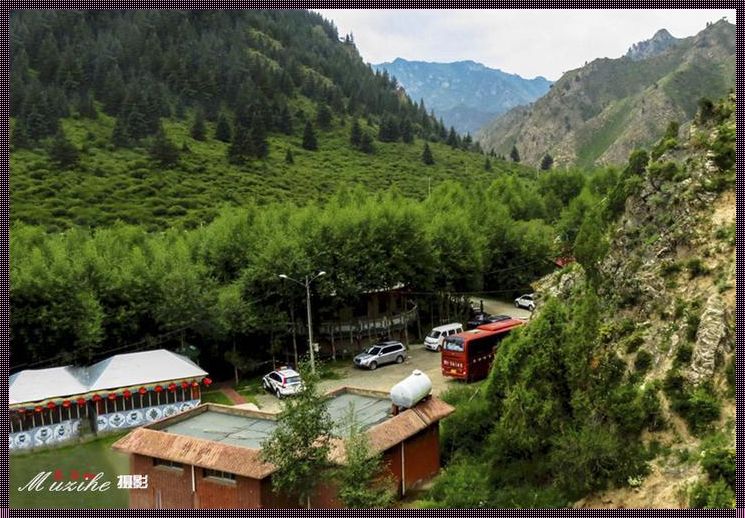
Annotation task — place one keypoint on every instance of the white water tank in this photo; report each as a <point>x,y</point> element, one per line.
<point>411,390</point>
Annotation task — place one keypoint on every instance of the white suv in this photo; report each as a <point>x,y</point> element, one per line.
<point>283,382</point>
<point>526,301</point>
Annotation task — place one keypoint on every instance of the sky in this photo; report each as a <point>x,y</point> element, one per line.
<point>526,42</point>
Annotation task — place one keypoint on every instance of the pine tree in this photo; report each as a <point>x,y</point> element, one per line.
<point>62,152</point>
<point>259,144</point>
<point>514,154</point>
<point>198,128</point>
<point>162,150</point>
<point>427,157</point>
<point>487,164</point>
<point>289,158</point>
<point>222,129</point>
<point>86,107</point>
<point>407,131</point>
<point>20,139</point>
<point>324,117</point>
<point>452,139</point>
<point>240,146</point>
<point>285,121</point>
<point>309,137</point>
<point>546,162</point>
<point>366,143</point>
<point>355,134</point>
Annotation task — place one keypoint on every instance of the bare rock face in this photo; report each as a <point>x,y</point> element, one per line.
<point>710,340</point>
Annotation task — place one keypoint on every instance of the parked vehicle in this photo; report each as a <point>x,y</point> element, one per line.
<point>433,341</point>
<point>484,318</point>
<point>381,354</point>
<point>526,301</point>
<point>469,355</point>
<point>283,382</point>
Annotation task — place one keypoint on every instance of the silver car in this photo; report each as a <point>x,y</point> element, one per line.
<point>380,354</point>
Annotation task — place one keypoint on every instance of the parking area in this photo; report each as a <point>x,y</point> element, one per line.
<point>383,378</point>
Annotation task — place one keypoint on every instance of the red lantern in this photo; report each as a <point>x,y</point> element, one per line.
<point>184,384</point>
<point>127,393</point>
<point>80,401</point>
<point>142,391</point>
<point>37,409</point>
<point>21,410</point>
<point>194,384</point>
<point>172,387</point>
<point>66,403</point>
<point>51,405</point>
<point>158,388</point>
<point>112,396</point>
<point>207,381</point>
<point>96,397</point>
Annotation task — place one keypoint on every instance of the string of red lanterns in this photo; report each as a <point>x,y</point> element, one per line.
<point>81,401</point>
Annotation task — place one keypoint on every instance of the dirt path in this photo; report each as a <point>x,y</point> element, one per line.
<point>236,398</point>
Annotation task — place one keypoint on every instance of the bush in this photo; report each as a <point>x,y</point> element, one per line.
<point>683,355</point>
<point>696,268</point>
<point>633,342</point>
<point>712,496</point>
<point>702,409</point>
<point>719,463</point>
<point>643,361</point>
<point>693,320</point>
<point>668,268</point>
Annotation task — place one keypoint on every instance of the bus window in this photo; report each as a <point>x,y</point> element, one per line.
<point>454,344</point>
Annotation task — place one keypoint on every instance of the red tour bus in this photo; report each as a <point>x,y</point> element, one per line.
<point>469,355</point>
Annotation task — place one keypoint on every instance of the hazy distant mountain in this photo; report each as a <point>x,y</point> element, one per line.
<point>602,111</point>
<point>465,94</point>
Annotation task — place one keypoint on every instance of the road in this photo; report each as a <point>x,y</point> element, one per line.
<point>385,377</point>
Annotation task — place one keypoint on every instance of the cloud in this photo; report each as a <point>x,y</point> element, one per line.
<point>526,42</point>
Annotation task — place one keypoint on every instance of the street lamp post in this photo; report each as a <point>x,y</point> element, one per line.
<point>308,280</point>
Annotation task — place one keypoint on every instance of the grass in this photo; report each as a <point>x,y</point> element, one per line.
<point>216,396</point>
<point>123,184</point>
<point>92,456</point>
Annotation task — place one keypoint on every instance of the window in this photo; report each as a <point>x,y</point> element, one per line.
<point>275,377</point>
<point>167,463</point>
<point>390,349</point>
<point>221,475</point>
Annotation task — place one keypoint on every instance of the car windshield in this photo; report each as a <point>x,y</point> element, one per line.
<point>454,344</point>
<point>294,380</point>
<point>373,350</point>
<point>434,334</point>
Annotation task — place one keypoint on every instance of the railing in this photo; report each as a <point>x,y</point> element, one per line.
<point>368,325</point>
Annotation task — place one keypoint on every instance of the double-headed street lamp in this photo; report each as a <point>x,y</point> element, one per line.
<point>308,280</point>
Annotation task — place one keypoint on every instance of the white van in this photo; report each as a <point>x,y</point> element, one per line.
<point>433,340</point>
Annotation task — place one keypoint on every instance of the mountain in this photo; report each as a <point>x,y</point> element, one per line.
<point>598,113</point>
<point>659,43</point>
<point>158,118</point>
<point>465,94</point>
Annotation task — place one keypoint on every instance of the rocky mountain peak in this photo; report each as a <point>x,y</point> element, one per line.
<point>659,43</point>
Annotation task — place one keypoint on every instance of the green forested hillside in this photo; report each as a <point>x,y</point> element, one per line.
<point>157,118</point>
<point>620,391</point>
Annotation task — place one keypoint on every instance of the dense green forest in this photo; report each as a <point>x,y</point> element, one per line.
<point>94,290</point>
<point>157,118</point>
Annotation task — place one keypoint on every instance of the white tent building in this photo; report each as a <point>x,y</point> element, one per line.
<point>54,405</point>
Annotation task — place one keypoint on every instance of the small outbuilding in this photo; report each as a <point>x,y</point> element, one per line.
<point>210,456</point>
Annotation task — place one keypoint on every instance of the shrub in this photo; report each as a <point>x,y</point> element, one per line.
<point>693,320</point>
<point>702,409</point>
<point>711,496</point>
<point>683,355</point>
<point>643,361</point>
<point>633,342</point>
<point>696,268</point>
<point>719,463</point>
<point>668,268</point>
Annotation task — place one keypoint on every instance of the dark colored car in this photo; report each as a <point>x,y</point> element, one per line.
<point>484,318</point>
